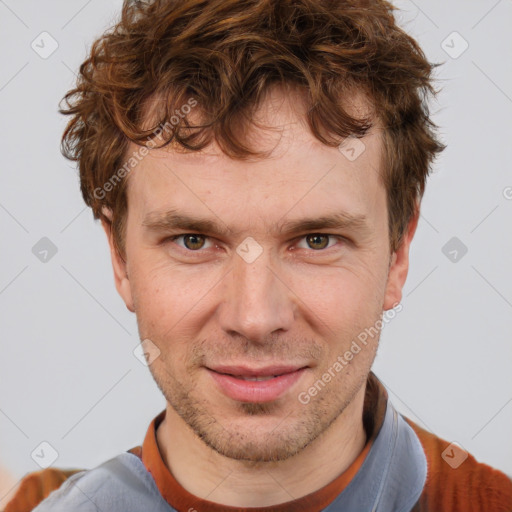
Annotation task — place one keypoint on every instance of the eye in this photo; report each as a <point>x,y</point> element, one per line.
<point>194,242</point>
<point>318,241</point>
<point>191,241</point>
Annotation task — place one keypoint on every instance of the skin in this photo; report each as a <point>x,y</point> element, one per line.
<point>302,302</point>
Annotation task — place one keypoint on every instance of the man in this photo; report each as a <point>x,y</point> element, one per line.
<point>258,166</point>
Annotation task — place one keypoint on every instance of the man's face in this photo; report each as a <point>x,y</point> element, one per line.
<point>245,325</point>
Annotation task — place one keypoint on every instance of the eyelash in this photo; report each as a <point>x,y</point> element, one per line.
<point>199,251</point>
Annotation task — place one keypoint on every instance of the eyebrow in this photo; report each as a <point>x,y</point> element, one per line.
<point>171,220</point>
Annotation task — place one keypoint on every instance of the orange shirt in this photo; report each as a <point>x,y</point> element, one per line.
<point>470,487</point>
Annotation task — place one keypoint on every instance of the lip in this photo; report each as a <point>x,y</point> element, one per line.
<point>255,391</point>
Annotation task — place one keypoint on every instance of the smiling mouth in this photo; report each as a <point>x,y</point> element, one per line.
<point>256,385</point>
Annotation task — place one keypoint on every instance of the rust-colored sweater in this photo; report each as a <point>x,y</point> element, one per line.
<point>455,482</point>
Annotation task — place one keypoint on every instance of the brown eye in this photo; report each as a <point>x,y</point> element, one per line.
<point>193,242</point>
<point>190,241</point>
<point>317,240</point>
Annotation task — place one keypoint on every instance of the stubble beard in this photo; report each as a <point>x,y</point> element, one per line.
<point>294,425</point>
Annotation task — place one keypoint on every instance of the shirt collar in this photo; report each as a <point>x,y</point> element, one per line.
<point>393,474</point>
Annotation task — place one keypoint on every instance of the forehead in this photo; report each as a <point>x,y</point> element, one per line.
<point>300,174</point>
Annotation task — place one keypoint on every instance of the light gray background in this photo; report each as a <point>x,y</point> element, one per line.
<point>67,369</point>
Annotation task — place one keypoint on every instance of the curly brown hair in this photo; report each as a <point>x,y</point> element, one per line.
<point>225,55</point>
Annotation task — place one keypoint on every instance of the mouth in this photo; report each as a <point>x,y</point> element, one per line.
<point>255,385</point>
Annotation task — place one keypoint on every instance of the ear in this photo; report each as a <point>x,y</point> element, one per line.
<point>119,265</point>
<point>399,265</point>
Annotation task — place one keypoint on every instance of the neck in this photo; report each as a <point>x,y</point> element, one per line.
<point>205,473</point>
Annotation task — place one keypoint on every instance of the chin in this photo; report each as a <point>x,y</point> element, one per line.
<point>254,432</point>
<point>256,446</point>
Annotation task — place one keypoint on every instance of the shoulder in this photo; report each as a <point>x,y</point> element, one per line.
<point>457,481</point>
<point>36,486</point>
<point>121,483</point>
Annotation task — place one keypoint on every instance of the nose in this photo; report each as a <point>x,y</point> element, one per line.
<point>256,301</point>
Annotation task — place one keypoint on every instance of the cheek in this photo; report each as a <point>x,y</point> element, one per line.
<point>168,298</point>
<point>342,294</point>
